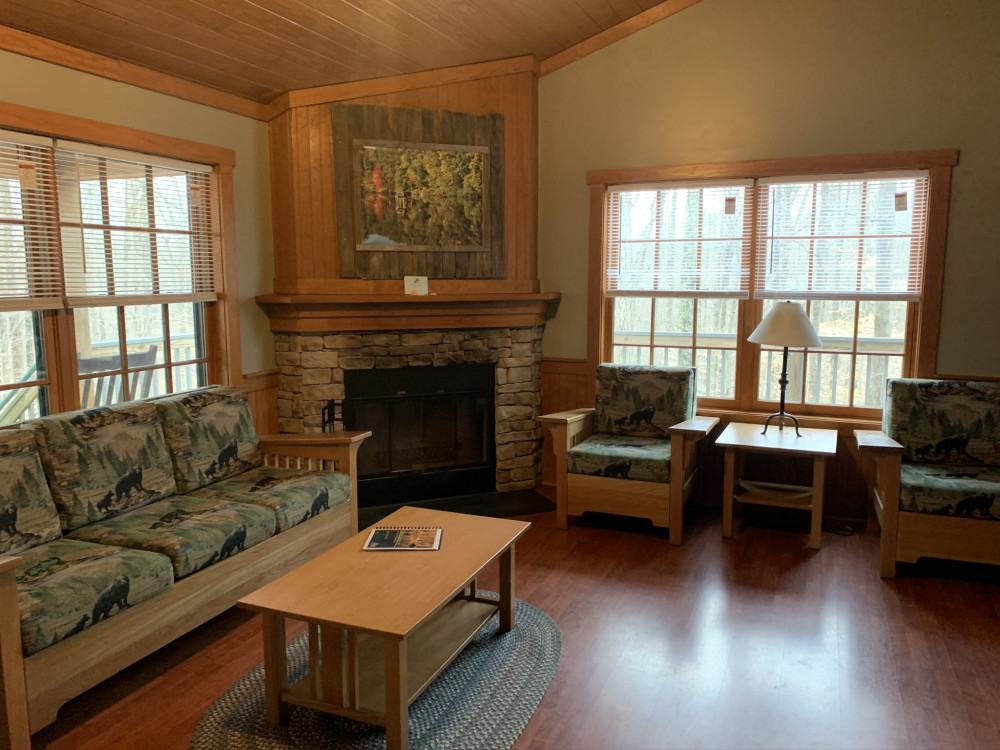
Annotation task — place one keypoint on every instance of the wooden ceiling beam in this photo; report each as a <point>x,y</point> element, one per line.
<point>39,48</point>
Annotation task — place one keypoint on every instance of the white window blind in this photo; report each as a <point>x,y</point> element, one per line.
<point>679,239</point>
<point>30,274</point>
<point>841,236</point>
<point>133,228</point>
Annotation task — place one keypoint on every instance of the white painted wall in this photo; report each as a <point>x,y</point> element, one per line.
<point>42,85</point>
<point>730,80</point>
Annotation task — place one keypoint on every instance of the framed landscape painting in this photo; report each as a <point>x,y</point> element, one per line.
<point>421,196</point>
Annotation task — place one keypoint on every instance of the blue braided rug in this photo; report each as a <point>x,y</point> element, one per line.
<point>482,700</point>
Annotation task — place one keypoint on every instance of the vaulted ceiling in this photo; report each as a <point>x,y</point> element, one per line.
<point>259,49</point>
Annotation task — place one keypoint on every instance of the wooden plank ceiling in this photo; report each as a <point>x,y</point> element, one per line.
<point>259,49</point>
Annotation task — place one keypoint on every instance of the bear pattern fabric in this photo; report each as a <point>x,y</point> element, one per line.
<point>194,532</point>
<point>621,457</point>
<point>293,495</point>
<point>643,400</point>
<point>66,586</point>
<point>210,434</point>
<point>28,515</point>
<point>958,490</point>
<point>103,461</point>
<point>947,422</point>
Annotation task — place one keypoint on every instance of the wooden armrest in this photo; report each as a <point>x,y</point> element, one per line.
<point>9,562</point>
<point>319,439</point>
<point>877,441</point>
<point>697,427</point>
<point>14,730</point>
<point>566,417</point>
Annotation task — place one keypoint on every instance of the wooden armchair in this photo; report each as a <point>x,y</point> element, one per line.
<point>633,454</point>
<point>937,471</point>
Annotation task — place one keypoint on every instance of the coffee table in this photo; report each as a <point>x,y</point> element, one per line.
<point>383,624</point>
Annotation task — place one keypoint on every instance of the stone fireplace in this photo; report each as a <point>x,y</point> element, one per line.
<point>312,369</point>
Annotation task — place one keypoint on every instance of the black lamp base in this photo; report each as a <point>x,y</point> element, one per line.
<point>781,417</point>
<point>781,414</point>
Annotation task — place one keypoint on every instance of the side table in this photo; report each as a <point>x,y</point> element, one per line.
<point>739,438</point>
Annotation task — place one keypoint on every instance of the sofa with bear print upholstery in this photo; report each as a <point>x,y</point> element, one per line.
<point>123,527</point>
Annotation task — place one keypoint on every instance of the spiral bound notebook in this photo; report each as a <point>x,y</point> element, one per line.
<point>404,537</point>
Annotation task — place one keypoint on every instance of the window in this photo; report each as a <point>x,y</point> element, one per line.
<point>690,266</point>
<point>108,268</point>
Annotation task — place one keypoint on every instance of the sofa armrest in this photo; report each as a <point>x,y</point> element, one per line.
<point>14,732</point>
<point>887,455</point>
<point>325,451</point>
<point>876,441</point>
<point>696,427</point>
<point>567,428</point>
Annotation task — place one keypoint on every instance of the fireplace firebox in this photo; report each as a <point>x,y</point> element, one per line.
<point>432,431</point>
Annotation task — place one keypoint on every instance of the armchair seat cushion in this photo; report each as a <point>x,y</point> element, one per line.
<point>294,495</point>
<point>950,490</point>
<point>619,456</point>
<point>194,532</point>
<point>65,586</point>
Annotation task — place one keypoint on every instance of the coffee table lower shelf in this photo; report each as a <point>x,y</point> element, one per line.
<point>430,649</point>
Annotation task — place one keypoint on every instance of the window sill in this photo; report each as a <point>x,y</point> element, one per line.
<point>845,426</point>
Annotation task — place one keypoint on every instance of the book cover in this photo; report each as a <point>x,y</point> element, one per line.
<point>402,537</point>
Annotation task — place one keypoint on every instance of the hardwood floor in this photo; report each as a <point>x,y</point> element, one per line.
<point>744,643</point>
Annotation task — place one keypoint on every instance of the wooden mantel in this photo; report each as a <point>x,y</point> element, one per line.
<point>396,312</point>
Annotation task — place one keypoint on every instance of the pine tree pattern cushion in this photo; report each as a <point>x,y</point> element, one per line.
<point>210,434</point>
<point>643,400</point>
<point>66,586</point>
<point>950,490</point>
<point>621,457</point>
<point>28,516</point>
<point>194,532</point>
<point>953,422</point>
<point>293,495</point>
<point>103,461</point>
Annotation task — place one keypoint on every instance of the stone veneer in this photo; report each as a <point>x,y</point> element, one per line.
<point>311,373</point>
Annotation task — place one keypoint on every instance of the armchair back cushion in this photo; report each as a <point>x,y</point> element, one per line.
<point>102,461</point>
<point>210,434</point>
<point>944,421</point>
<point>28,516</point>
<point>643,400</point>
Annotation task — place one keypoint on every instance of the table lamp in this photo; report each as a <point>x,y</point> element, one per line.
<point>785,325</point>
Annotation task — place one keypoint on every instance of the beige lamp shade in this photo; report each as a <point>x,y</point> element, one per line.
<point>786,324</point>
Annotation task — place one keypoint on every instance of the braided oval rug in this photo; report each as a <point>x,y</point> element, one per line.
<point>482,701</point>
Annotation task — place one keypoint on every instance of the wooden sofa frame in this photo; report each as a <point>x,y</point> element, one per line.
<point>906,537</point>
<point>662,503</point>
<point>32,689</point>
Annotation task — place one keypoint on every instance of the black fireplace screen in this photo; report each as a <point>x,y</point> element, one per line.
<point>432,431</point>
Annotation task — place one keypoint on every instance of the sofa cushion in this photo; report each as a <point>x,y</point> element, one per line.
<point>67,585</point>
<point>950,490</point>
<point>102,461</point>
<point>643,400</point>
<point>210,434</point>
<point>623,457</point>
<point>944,421</point>
<point>294,495</point>
<point>194,532</point>
<point>27,514</point>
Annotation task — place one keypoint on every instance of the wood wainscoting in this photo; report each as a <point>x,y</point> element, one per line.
<point>262,393</point>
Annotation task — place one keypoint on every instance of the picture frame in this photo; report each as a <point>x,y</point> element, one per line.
<point>421,196</point>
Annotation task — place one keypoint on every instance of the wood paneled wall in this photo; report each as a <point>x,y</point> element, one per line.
<point>304,198</point>
<point>262,393</point>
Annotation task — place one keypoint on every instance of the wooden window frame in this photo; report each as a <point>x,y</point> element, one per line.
<point>222,328</point>
<point>923,321</point>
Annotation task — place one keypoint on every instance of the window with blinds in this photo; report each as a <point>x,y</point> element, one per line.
<point>681,258</point>
<point>678,261</point>
<point>123,239</point>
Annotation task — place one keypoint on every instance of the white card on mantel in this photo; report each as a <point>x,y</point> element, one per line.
<point>415,285</point>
